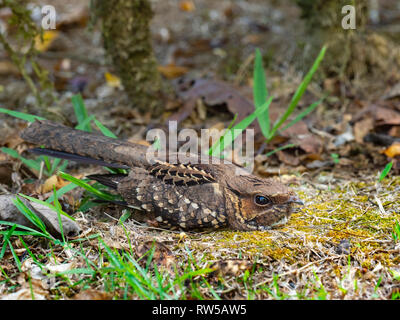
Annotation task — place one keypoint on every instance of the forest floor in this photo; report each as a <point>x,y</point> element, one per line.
<point>343,244</point>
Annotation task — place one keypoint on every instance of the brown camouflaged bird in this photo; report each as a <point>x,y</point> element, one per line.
<point>184,195</point>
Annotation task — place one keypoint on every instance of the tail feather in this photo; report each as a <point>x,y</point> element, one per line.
<point>109,180</point>
<point>76,158</point>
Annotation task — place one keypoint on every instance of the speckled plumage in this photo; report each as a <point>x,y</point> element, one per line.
<point>184,195</point>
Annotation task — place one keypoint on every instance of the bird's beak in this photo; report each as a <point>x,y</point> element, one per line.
<point>296,199</point>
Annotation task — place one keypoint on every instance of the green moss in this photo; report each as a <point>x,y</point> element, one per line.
<point>346,212</point>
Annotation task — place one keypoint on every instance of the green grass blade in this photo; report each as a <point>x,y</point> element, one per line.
<point>29,231</point>
<point>86,205</point>
<point>220,143</point>
<point>63,165</point>
<point>85,123</point>
<point>54,165</point>
<point>260,93</point>
<point>290,145</point>
<point>17,261</point>
<point>48,205</point>
<point>80,112</point>
<point>156,144</point>
<point>21,206</point>
<point>23,233</point>
<point>47,163</point>
<point>21,115</point>
<point>29,252</point>
<point>57,205</point>
<point>5,240</point>
<point>385,171</point>
<point>260,85</point>
<point>35,165</point>
<point>105,131</point>
<point>302,114</point>
<point>88,187</point>
<point>77,271</point>
<point>62,191</point>
<point>215,150</point>
<point>299,93</point>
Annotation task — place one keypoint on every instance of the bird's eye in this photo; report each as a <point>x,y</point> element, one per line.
<point>261,200</point>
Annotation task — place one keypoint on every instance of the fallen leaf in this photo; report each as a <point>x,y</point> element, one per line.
<point>162,255</point>
<point>362,128</point>
<point>393,150</point>
<point>172,71</point>
<point>112,80</point>
<point>217,93</point>
<point>24,294</point>
<point>187,5</point>
<point>12,141</point>
<point>395,131</point>
<point>386,116</point>
<point>54,180</point>
<point>288,158</point>
<point>56,268</point>
<point>49,36</point>
<point>381,112</point>
<point>308,143</point>
<point>212,93</point>
<point>393,92</point>
<point>8,68</point>
<point>91,294</point>
<point>6,169</point>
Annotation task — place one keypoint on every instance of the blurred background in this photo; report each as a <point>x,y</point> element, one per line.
<point>139,63</point>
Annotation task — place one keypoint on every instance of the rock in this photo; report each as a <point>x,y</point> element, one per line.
<point>10,213</point>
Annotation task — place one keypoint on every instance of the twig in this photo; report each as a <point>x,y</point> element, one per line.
<point>299,269</point>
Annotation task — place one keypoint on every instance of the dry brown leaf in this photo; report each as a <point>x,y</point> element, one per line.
<point>299,128</point>
<point>386,116</point>
<point>393,92</point>
<point>393,150</point>
<point>12,140</point>
<point>395,131</point>
<point>186,5</point>
<point>54,180</point>
<point>288,158</point>
<point>7,68</point>
<point>162,255</point>
<point>212,93</point>
<point>172,71</point>
<point>92,294</point>
<point>362,128</point>
<point>6,169</point>
<point>308,143</point>
<point>25,294</point>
